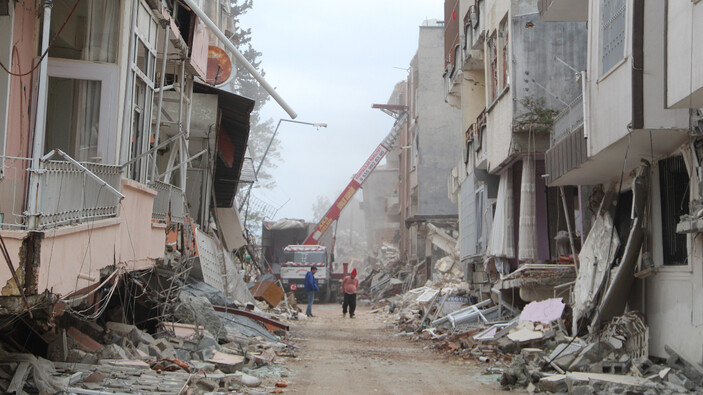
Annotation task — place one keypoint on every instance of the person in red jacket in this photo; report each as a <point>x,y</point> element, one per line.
<point>349,285</point>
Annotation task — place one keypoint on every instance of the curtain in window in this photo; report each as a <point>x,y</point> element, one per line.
<point>502,243</point>
<point>103,17</point>
<point>527,226</point>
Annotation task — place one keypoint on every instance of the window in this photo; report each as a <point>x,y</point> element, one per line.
<point>83,77</point>
<point>673,189</point>
<point>143,74</point>
<point>612,32</point>
<point>80,118</point>
<point>503,35</point>
<point>493,69</point>
<point>92,32</point>
<point>479,220</point>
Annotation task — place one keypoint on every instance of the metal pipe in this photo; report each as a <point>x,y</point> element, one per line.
<point>228,44</point>
<point>182,153</point>
<point>40,125</point>
<point>161,101</point>
<point>183,163</point>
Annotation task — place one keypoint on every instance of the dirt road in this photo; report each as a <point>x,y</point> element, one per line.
<point>365,356</point>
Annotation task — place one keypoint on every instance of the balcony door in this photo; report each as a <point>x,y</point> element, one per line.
<point>82,110</point>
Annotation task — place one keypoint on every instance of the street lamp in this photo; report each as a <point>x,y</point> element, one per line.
<point>273,136</point>
<point>263,158</point>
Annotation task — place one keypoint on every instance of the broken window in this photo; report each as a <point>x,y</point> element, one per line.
<point>673,189</point>
<point>612,30</point>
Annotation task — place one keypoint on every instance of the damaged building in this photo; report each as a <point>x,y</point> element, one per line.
<point>122,148</point>
<point>578,195</point>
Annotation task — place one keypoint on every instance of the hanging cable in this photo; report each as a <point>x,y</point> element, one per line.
<point>51,44</point>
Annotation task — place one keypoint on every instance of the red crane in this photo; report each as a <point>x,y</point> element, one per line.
<point>356,182</point>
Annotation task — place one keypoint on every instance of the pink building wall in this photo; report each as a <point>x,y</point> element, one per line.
<point>72,256</point>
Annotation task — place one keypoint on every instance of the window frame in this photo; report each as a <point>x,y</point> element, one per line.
<point>601,44</point>
<point>108,75</point>
<point>493,67</point>
<point>504,59</point>
<point>141,36</point>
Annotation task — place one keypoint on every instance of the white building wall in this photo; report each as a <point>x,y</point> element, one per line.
<point>656,114</point>
<point>685,54</point>
<point>674,295</point>
<point>610,95</point>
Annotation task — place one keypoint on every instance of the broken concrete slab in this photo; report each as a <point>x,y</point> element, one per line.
<point>228,363</point>
<point>564,354</point>
<point>554,384</point>
<point>692,370</point>
<point>199,311</point>
<point>138,336</point>
<point>525,332</point>
<point>119,328</point>
<point>580,378</point>
<point>162,349</point>
<point>112,351</point>
<point>83,341</point>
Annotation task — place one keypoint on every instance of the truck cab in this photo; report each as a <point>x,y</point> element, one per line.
<point>298,261</point>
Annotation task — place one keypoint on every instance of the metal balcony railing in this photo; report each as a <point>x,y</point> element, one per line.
<point>169,200</point>
<point>568,120</point>
<point>68,192</point>
<point>73,192</point>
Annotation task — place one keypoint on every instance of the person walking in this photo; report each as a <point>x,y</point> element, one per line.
<point>311,287</point>
<point>349,285</point>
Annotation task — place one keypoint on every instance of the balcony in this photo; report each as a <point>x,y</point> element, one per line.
<point>68,192</point>
<point>563,10</point>
<point>453,75</point>
<point>568,120</point>
<point>474,36</point>
<point>168,203</point>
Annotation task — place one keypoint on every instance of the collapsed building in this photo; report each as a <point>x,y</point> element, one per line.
<point>123,147</point>
<point>578,187</point>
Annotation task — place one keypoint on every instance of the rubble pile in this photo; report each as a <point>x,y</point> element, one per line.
<point>158,331</point>
<point>531,348</point>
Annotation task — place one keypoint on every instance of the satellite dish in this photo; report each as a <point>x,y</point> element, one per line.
<point>219,66</point>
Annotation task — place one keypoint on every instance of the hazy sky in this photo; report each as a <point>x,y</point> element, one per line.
<point>331,60</point>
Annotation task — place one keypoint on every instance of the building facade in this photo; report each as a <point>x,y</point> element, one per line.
<point>110,148</point>
<point>639,140</point>
<point>428,152</point>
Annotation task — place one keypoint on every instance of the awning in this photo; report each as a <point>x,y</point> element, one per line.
<point>607,164</point>
<point>233,135</point>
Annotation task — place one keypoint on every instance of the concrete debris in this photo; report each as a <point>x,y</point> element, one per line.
<point>173,341</point>
<point>531,344</point>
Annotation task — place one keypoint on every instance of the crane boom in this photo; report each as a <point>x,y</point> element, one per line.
<point>354,185</point>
